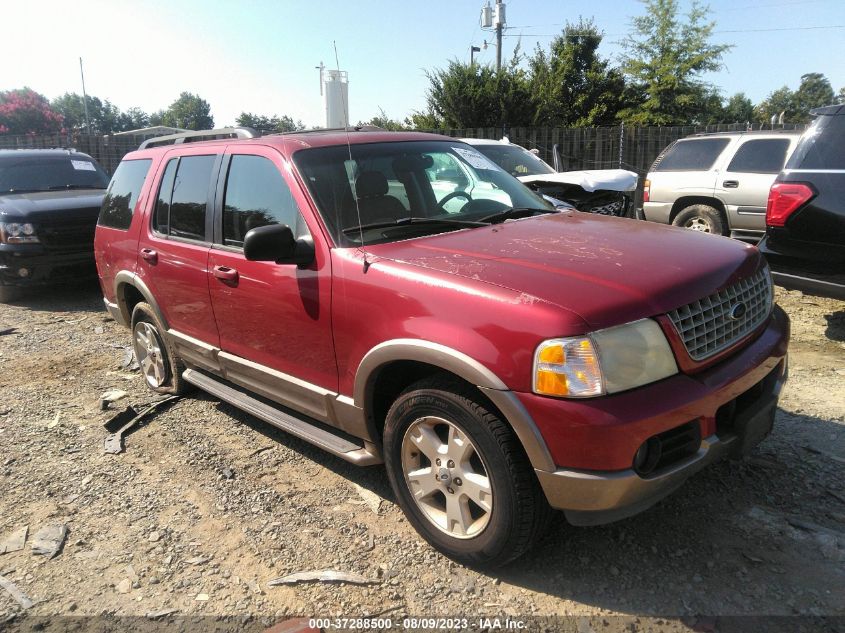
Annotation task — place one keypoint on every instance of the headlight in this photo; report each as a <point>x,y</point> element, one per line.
<point>17,233</point>
<point>607,361</point>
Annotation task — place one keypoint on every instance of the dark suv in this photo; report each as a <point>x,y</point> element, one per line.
<point>499,356</point>
<point>805,216</point>
<point>49,202</point>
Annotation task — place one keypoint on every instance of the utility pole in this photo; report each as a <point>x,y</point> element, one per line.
<point>495,19</point>
<point>500,25</point>
<point>84,98</point>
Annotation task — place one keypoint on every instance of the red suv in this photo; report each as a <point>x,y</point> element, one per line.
<point>397,297</point>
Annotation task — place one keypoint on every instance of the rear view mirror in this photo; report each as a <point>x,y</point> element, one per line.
<point>275,243</point>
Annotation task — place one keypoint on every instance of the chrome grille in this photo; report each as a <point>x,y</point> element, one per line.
<point>714,323</point>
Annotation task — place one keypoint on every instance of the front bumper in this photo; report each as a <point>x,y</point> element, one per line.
<point>732,404</point>
<point>35,266</point>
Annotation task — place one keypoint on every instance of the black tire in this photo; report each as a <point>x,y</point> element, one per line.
<point>702,217</point>
<point>9,294</point>
<point>171,382</point>
<point>519,512</point>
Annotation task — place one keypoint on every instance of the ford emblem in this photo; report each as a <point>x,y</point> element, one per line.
<point>737,311</point>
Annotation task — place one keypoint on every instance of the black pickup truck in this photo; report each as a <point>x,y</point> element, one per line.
<point>805,217</point>
<point>49,203</point>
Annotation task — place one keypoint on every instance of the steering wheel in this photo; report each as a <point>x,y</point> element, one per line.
<point>455,194</point>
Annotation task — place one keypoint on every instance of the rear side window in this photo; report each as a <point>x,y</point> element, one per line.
<point>257,195</point>
<point>763,156</point>
<point>822,146</point>
<point>122,195</point>
<point>693,155</point>
<point>183,196</point>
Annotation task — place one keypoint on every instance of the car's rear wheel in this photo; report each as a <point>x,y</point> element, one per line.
<point>160,366</point>
<point>701,217</point>
<point>460,474</point>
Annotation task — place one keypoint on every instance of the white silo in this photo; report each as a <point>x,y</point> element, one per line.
<point>337,98</point>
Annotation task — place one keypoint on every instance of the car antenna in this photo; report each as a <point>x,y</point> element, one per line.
<point>354,181</point>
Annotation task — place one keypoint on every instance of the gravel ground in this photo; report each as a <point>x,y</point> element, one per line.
<point>207,504</point>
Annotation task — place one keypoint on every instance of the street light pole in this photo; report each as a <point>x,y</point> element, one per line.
<point>472,51</point>
<point>84,98</point>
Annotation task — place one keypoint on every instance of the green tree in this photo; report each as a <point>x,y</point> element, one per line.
<point>24,111</point>
<point>571,84</point>
<point>464,95</point>
<point>840,98</point>
<point>190,112</point>
<point>104,116</point>
<point>274,123</point>
<point>780,101</point>
<point>424,120</point>
<point>814,91</point>
<point>134,119</point>
<point>739,109</point>
<point>664,59</point>
<point>385,122</point>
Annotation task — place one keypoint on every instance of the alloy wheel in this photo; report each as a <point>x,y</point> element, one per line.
<point>149,354</point>
<point>447,477</point>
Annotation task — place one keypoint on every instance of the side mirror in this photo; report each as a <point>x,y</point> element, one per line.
<point>275,243</point>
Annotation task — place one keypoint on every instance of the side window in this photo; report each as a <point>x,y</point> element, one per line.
<point>257,195</point>
<point>122,195</point>
<point>190,194</point>
<point>693,155</point>
<point>763,156</point>
<point>161,219</point>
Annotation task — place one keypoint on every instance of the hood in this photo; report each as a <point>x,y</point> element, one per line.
<point>590,179</point>
<point>607,270</point>
<point>50,205</point>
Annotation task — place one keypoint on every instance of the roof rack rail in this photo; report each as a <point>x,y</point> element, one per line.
<point>200,135</point>
<point>351,128</point>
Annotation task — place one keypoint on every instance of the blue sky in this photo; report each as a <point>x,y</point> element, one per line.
<point>259,55</point>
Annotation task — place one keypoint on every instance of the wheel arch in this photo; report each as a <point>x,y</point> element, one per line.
<point>129,289</point>
<point>390,367</point>
<point>686,201</point>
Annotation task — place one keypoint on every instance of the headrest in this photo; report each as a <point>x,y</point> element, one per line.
<point>371,184</point>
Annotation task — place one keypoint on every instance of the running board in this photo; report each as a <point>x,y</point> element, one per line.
<point>304,430</point>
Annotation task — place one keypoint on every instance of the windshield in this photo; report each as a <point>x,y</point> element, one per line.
<point>515,160</point>
<point>396,191</point>
<point>50,173</point>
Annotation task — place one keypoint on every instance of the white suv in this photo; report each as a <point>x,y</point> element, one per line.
<point>717,183</point>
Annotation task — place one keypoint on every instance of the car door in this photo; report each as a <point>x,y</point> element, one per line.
<point>274,319</point>
<point>744,184</point>
<point>174,246</point>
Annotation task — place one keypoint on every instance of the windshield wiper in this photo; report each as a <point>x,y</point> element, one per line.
<point>409,221</point>
<point>57,187</point>
<point>513,212</point>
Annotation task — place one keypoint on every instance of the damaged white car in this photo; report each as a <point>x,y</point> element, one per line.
<point>602,191</point>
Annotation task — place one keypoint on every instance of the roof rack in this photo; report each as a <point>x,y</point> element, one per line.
<point>200,135</point>
<point>752,132</point>
<point>352,128</point>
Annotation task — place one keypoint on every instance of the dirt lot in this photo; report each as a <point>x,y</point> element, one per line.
<point>207,505</point>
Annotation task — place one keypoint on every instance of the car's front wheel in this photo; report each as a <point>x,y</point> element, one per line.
<point>159,364</point>
<point>461,475</point>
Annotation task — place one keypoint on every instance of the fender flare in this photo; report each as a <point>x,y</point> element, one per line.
<point>468,369</point>
<point>125,277</point>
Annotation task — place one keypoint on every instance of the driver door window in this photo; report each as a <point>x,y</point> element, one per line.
<point>257,195</point>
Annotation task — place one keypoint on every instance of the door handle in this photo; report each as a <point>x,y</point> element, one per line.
<point>224,273</point>
<point>149,255</point>
<point>730,184</point>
